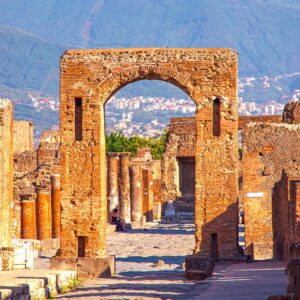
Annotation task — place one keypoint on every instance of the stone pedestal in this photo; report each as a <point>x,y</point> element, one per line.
<point>86,267</point>
<point>124,187</point>
<point>112,181</point>
<point>42,215</point>
<point>198,268</point>
<point>6,258</point>
<point>28,219</point>
<point>136,193</point>
<point>55,205</point>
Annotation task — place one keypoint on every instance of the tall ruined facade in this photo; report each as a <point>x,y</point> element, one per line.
<point>88,79</point>
<point>178,166</point>
<point>6,184</point>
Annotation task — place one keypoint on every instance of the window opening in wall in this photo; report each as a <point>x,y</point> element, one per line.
<point>78,119</point>
<point>214,245</point>
<point>81,246</point>
<point>217,117</point>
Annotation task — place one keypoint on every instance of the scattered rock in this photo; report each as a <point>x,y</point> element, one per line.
<point>159,263</point>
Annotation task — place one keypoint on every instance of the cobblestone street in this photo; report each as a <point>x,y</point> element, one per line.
<point>140,276</point>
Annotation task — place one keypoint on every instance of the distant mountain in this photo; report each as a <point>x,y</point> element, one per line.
<point>27,61</point>
<point>34,33</point>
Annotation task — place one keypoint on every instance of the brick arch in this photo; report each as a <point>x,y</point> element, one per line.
<point>120,78</point>
<point>92,77</point>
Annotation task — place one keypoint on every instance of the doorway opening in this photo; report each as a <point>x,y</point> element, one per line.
<point>139,128</point>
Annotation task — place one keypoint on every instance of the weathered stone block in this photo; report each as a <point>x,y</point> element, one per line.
<point>86,267</point>
<point>198,268</point>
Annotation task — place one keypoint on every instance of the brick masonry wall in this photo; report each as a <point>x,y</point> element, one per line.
<point>25,176</point>
<point>94,76</point>
<point>180,142</point>
<point>244,120</point>
<point>6,172</point>
<point>23,136</point>
<point>286,198</point>
<point>268,149</point>
<point>32,170</point>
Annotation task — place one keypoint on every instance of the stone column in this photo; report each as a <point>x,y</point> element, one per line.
<point>147,195</point>
<point>157,188</point>
<point>6,184</point>
<point>124,187</point>
<point>136,193</point>
<point>112,181</point>
<point>42,215</point>
<point>27,217</point>
<point>55,205</point>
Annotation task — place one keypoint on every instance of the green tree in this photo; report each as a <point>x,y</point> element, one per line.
<point>118,142</point>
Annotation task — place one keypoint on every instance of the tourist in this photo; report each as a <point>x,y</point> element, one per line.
<point>117,219</point>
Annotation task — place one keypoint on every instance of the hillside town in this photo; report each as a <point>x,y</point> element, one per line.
<point>134,115</point>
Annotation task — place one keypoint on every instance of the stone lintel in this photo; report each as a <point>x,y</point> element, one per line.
<point>85,267</point>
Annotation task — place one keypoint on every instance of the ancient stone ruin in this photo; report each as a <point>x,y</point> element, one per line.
<point>179,160</point>
<point>65,189</point>
<point>88,79</point>
<point>36,184</point>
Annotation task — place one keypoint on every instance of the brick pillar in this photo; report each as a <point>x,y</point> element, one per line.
<point>112,181</point>
<point>297,209</point>
<point>136,193</point>
<point>147,195</point>
<point>6,173</point>
<point>124,187</point>
<point>27,218</point>
<point>157,188</point>
<point>55,205</point>
<point>42,215</point>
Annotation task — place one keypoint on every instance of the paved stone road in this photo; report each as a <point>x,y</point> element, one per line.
<point>138,276</point>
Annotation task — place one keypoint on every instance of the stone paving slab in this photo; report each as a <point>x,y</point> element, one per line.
<point>139,276</point>
<point>252,281</point>
<point>249,281</point>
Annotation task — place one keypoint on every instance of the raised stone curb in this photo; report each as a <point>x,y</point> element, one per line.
<point>36,284</point>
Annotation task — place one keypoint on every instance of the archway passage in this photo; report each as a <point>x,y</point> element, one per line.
<point>94,76</point>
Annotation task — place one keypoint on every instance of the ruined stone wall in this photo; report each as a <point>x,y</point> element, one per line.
<point>48,157</point>
<point>291,112</point>
<point>185,129</point>
<point>88,79</point>
<point>268,149</point>
<point>180,142</point>
<point>286,212</point>
<point>6,172</point>
<point>244,120</point>
<point>25,176</point>
<point>32,172</point>
<point>23,136</point>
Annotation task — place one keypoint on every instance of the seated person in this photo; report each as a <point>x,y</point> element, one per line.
<point>117,219</point>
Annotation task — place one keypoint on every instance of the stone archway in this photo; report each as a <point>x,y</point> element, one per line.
<point>88,79</point>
